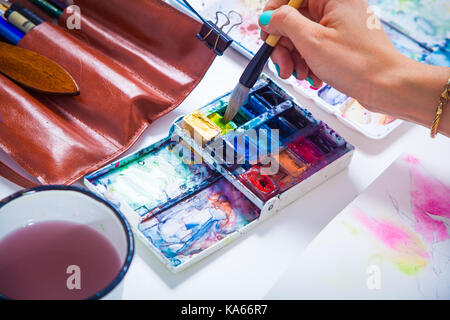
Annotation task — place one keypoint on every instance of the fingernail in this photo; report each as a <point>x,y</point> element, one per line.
<point>278,69</point>
<point>264,19</point>
<point>294,74</point>
<point>311,82</point>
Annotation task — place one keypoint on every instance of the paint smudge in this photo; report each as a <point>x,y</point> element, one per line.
<point>155,178</point>
<point>332,96</point>
<point>195,224</point>
<point>402,246</point>
<point>306,85</point>
<point>425,20</point>
<point>429,196</point>
<point>357,113</point>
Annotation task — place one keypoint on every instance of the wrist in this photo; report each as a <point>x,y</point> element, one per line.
<point>409,90</point>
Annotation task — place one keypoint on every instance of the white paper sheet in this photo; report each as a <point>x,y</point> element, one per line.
<point>391,242</point>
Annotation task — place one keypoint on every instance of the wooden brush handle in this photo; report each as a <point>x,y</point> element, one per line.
<point>273,40</point>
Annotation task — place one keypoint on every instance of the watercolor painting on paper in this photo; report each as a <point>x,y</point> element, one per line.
<point>425,20</point>
<point>246,35</point>
<point>391,242</point>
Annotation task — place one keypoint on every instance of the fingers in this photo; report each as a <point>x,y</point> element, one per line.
<point>301,68</point>
<point>290,62</point>
<point>275,4</point>
<point>284,64</point>
<point>316,82</point>
<point>289,22</point>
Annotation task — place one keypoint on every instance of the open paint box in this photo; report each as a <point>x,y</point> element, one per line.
<point>209,182</point>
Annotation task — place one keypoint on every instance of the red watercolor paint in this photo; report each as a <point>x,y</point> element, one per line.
<point>34,261</point>
<point>262,184</point>
<point>306,150</point>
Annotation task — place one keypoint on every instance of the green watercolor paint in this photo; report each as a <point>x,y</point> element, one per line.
<point>353,230</point>
<point>218,119</point>
<point>410,269</point>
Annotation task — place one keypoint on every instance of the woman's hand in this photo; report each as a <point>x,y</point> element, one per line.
<point>342,43</point>
<point>337,41</point>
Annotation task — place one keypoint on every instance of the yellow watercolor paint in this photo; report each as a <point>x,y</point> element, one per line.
<point>201,127</point>
<point>225,127</point>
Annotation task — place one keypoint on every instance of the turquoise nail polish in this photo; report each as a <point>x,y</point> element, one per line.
<point>278,69</point>
<point>294,74</point>
<point>311,82</point>
<point>264,19</point>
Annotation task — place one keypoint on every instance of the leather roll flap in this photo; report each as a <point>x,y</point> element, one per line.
<point>133,64</point>
<point>44,141</point>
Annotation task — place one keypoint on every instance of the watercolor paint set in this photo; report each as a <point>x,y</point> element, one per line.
<point>187,197</point>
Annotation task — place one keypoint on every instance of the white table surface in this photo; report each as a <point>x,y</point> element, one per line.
<point>250,266</point>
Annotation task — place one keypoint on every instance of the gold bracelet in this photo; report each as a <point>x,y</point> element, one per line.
<point>443,100</point>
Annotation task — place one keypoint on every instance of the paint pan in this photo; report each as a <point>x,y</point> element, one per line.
<point>220,106</point>
<point>298,117</point>
<point>306,150</point>
<point>218,120</point>
<point>261,184</point>
<point>290,164</point>
<point>269,96</point>
<point>201,127</point>
<point>332,96</point>
<point>255,107</point>
<point>284,127</point>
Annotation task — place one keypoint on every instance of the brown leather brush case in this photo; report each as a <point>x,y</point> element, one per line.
<point>134,61</point>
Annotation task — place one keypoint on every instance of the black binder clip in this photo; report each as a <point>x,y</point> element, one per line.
<point>214,36</point>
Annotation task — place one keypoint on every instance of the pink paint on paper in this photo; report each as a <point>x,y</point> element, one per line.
<point>429,196</point>
<point>393,236</point>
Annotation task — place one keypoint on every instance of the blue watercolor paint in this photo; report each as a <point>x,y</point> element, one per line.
<point>440,57</point>
<point>332,96</point>
<point>286,129</point>
<point>195,224</point>
<point>158,177</point>
<point>255,106</point>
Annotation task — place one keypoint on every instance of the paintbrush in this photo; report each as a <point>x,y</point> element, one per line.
<point>35,71</point>
<point>252,72</point>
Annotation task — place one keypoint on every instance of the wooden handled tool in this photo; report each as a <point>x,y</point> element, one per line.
<point>35,72</point>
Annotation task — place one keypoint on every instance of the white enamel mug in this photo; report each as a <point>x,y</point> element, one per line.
<point>76,205</point>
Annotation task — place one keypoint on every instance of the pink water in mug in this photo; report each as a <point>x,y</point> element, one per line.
<point>59,242</point>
